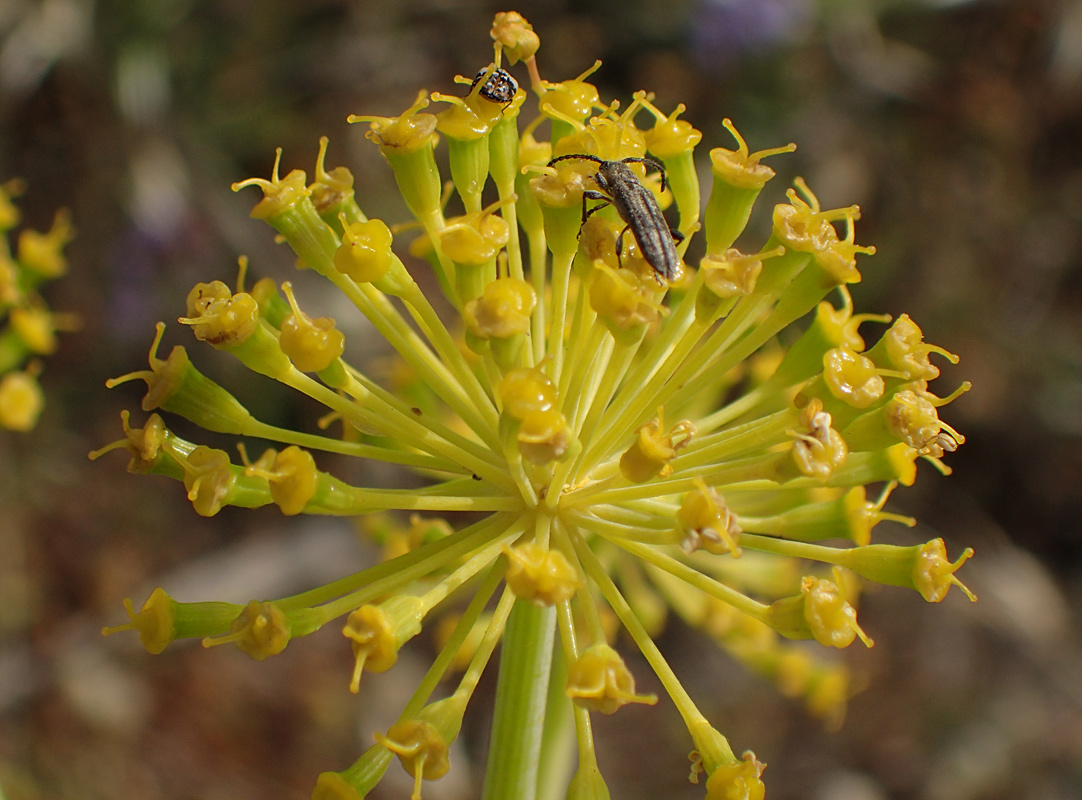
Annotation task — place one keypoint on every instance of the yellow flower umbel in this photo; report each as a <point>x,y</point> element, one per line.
<point>27,327</point>
<point>624,447</point>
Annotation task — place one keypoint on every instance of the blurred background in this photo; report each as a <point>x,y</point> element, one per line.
<point>957,127</point>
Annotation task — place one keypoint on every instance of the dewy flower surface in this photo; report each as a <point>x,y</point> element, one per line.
<point>625,447</point>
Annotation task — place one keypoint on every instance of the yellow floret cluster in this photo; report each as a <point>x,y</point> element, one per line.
<point>28,327</point>
<point>606,437</point>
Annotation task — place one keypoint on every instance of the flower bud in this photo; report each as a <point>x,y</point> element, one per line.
<point>623,301</point>
<point>706,522</point>
<point>819,612</point>
<point>544,436</point>
<point>544,577</point>
<point>291,475</point>
<point>311,344</point>
<point>737,781</point>
<point>42,253</point>
<point>502,311</point>
<point>21,401</point>
<point>377,632</point>
<point>260,631</point>
<point>902,348</point>
<point>526,390</point>
<point>365,253</point>
<point>219,317</point>
<point>599,680</point>
<point>818,453</point>
<point>652,450</point>
<point>515,36</point>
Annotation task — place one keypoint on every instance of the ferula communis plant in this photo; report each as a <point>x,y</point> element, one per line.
<point>627,446</point>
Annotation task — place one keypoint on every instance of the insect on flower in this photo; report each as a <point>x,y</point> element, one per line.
<point>499,85</point>
<point>637,208</point>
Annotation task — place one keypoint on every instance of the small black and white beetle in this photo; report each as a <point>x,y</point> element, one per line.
<point>637,208</point>
<point>500,87</point>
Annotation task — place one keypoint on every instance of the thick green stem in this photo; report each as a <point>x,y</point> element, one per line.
<point>558,745</point>
<point>519,719</point>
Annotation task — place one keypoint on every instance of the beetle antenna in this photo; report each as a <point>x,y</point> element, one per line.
<point>577,155</point>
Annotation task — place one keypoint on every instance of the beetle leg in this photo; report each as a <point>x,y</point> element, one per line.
<point>677,235</point>
<point>620,246</point>
<point>590,194</point>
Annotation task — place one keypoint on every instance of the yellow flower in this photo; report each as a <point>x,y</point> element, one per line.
<point>533,418</point>
<point>27,327</point>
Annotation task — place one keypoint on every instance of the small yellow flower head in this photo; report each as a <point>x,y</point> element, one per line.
<point>933,573</point>
<point>913,419</point>
<point>597,240</point>
<point>732,273</point>
<point>544,577</point>
<point>623,301</point>
<point>311,344</point>
<point>852,377</point>
<point>533,153</point>
<point>175,385</point>
<point>706,522</point>
<point>144,444</point>
<point>599,680</point>
<point>279,194</point>
<point>260,631</point>
<point>801,224</point>
<point>472,117</point>
<point>560,189</point>
<point>377,632</point>
<point>652,451</point>
<point>832,621</point>
<point>420,748</point>
<point>9,212</point>
<point>526,390</point>
<point>737,781</point>
<point>544,436</point>
<point>515,36</point>
<point>838,261</point>
<point>154,623</point>
<point>905,350</point>
<point>609,138</point>
<point>371,632</point>
<point>819,449</point>
<point>365,253</point>
<point>208,477</point>
<point>43,252</point>
<point>21,401</point>
<point>292,476</point>
<point>572,100</point>
<point>474,239</point>
<point>841,326</point>
<point>740,167</point>
<point>407,133</point>
<point>861,515</point>
<point>331,189</point>
<point>502,311</point>
<point>670,136</point>
<point>219,317</point>
<point>36,327</point>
